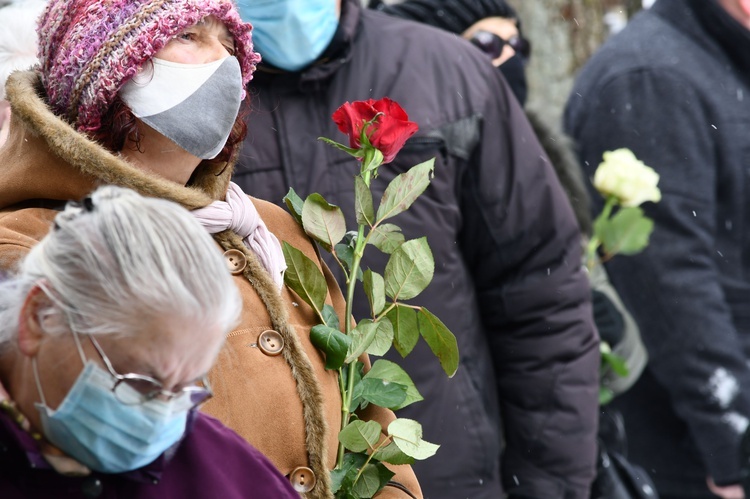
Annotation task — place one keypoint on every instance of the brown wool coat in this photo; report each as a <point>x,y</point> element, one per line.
<point>288,406</point>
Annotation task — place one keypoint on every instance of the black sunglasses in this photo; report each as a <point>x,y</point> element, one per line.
<point>493,45</point>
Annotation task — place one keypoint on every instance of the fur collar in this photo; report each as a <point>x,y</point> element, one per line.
<point>59,152</point>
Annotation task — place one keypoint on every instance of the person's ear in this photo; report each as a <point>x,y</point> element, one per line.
<point>30,328</point>
<point>745,6</point>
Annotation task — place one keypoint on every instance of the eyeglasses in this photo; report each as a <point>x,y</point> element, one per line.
<point>136,389</point>
<point>493,45</point>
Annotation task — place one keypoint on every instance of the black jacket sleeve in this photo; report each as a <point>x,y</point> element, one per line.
<point>524,248</point>
<point>673,287</point>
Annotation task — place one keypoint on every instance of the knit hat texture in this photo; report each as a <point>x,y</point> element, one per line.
<point>455,16</point>
<point>88,49</point>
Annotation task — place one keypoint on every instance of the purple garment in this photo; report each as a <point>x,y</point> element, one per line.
<point>211,461</point>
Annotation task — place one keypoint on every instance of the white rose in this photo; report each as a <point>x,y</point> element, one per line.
<point>624,176</point>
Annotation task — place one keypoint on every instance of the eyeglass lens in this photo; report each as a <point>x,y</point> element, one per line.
<point>134,391</point>
<point>492,45</point>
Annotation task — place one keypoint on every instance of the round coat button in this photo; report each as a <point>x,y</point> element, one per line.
<point>235,260</point>
<point>271,343</point>
<point>302,479</point>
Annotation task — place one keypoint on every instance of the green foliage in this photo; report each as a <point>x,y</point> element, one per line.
<point>345,254</point>
<point>383,339</point>
<point>381,392</point>
<point>375,291</point>
<point>358,477</point>
<point>294,203</point>
<point>330,318</point>
<point>322,221</point>
<point>343,476</point>
<point>304,277</point>
<point>606,395</point>
<point>373,477</point>
<point>332,342</point>
<point>373,159</point>
<point>386,237</point>
<point>407,435</point>
<point>363,203</point>
<point>356,373</point>
<point>363,445</point>
<point>626,233</point>
<point>390,372</point>
<point>404,189</point>
<point>405,328</point>
<point>441,341</point>
<point>393,455</point>
<point>357,153</point>
<point>361,436</point>
<point>362,336</point>
<point>614,362</point>
<point>409,270</point>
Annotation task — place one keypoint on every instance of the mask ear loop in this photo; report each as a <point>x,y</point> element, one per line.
<point>38,383</point>
<point>42,285</point>
<point>78,345</point>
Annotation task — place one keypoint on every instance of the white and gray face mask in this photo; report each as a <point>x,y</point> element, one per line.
<point>194,105</point>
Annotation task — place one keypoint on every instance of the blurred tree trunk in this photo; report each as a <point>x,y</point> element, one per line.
<point>563,34</point>
<point>632,7</point>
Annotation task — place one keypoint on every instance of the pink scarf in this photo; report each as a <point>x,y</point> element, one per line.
<point>239,214</point>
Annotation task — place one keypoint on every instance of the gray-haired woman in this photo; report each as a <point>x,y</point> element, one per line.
<point>107,332</point>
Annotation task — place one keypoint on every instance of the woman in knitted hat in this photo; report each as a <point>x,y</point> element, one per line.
<point>145,94</point>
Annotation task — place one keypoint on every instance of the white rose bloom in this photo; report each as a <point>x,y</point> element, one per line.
<point>624,176</point>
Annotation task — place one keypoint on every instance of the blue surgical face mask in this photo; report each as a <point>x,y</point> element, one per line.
<point>290,34</point>
<point>94,427</point>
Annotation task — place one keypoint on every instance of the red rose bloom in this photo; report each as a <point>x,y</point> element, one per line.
<point>387,134</point>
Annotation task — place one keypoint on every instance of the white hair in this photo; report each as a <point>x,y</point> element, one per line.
<point>119,261</point>
<point>18,39</point>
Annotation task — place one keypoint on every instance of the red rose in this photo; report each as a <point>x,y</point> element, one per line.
<point>387,134</point>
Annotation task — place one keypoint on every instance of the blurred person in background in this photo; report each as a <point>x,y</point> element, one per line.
<point>122,284</point>
<point>493,26</point>
<point>519,417</point>
<point>145,94</point>
<point>673,87</point>
<point>17,47</point>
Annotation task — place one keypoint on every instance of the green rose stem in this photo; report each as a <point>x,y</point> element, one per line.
<point>382,444</point>
<point>595,241</point>
<point>370,164</point>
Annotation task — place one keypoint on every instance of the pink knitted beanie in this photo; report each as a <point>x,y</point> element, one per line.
<point>88,49</point>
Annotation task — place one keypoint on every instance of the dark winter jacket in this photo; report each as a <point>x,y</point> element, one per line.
<point>674,87</point>
<point>507,280</point>
<point>211,462</point>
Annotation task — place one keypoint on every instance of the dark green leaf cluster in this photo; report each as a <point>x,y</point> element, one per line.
<point>365,445</point>
<point>626,233</point>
